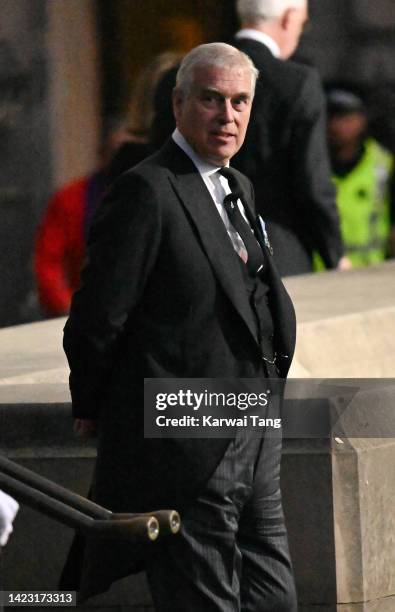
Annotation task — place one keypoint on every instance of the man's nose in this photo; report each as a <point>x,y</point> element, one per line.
<point>227,112</point>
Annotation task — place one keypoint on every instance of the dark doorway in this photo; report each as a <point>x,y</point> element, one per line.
<point>133,32</point>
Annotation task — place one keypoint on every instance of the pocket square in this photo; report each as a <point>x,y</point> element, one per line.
<point>265,236</point>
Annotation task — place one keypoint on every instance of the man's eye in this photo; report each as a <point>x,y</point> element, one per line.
<point>239,102</point>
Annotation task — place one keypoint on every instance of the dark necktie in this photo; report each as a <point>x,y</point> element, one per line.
<point>255,261</point>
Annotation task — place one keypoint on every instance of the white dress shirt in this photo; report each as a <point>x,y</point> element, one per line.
<point>261,37</point>
<point>218,187</point>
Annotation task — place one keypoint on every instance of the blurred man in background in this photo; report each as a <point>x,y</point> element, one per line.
<point>362,171</point>
<point>285,153</point>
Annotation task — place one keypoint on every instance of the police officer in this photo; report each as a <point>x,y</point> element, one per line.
<point>362,171</point>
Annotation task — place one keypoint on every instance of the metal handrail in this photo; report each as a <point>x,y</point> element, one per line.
<point>52,489</point>
<point>80,513</point>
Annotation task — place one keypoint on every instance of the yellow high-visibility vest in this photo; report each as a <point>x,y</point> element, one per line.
<point>363,204</point>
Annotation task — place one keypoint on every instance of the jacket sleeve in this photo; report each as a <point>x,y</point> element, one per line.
<point>121,252</point>
<point>312,182</point>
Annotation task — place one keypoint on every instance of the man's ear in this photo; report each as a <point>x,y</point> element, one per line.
<point>287,18</point>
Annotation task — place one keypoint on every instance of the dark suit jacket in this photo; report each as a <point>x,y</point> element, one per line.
<point>162,295</point>
<point>285,156</point>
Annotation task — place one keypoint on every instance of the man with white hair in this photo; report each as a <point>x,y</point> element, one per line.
<point>285,154</point>
<point>180,283</point>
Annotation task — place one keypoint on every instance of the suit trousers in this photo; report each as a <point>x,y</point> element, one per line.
<point>232,553</point>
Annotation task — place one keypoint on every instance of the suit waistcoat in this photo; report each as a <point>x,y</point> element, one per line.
<point>258,292</point>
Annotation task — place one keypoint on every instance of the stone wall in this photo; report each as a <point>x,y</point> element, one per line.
<point>49,128</point>
<point>338,493</point>
<point>24,146</point>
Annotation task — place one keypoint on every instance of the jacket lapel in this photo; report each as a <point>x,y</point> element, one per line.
<point>196,199</point>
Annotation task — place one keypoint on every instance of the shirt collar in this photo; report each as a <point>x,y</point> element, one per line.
<point>204,168</point>
<point>261,37</point>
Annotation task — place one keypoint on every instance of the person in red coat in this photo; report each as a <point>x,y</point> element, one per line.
<point>60,242</point>
<point>61,237</point>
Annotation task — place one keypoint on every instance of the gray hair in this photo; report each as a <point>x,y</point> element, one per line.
<point>219,55</point>
<point>255,10</point>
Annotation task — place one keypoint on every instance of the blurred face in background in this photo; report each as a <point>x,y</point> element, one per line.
<point>213,116</point>
<point>346,129</point>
